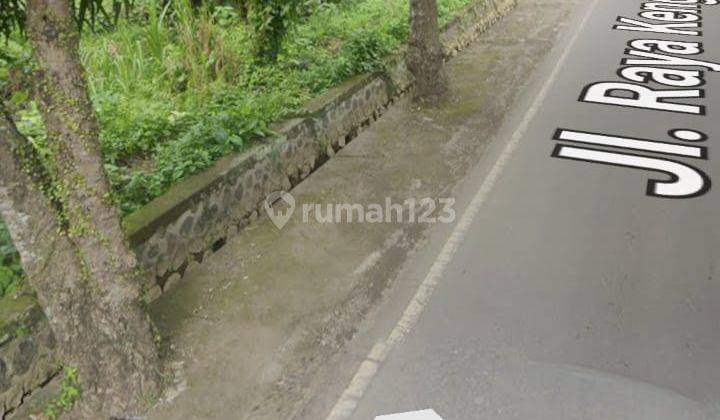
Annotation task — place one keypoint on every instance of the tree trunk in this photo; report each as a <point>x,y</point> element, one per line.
<point>425,55</point>
<point>85,277</point>
<point>50,262</point>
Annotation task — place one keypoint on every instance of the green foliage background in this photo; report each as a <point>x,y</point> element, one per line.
<point>176,87</point>
<point>10,270</point>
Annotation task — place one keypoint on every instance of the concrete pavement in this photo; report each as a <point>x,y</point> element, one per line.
<point>580,290</point>
<point>582,285</point>
<point>255,331</point>
<point>580,281</point>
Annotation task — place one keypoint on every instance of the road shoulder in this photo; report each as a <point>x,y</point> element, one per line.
<point>262,327</point>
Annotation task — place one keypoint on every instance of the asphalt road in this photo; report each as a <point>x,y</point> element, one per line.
<point>582,290</point>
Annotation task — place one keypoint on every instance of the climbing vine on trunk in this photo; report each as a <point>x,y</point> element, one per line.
<point>71,244</point>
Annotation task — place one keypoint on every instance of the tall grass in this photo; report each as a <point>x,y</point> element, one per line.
<point>10,270</point>
<point>175,88</point>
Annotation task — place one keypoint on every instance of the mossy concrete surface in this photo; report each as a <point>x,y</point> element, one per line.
<point>255,331</point>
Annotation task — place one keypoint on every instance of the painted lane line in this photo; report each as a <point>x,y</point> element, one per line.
<point>348,401</point>
<point>412,415</point>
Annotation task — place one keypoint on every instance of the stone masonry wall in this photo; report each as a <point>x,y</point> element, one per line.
<point>27,350</point>
<point>197,215</point>
<point>232,193</point>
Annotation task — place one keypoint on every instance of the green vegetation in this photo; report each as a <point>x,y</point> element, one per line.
<point>70,393</point>
<point>10,270</point>
<point>176,87</point>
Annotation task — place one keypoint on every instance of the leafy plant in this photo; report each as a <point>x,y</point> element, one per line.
<point>86,12</point>
<point>271,21</point>
<point>365,51</point>
<point>9,281</point>
<point>70,393</point>
<point>11,274</point>
<point>176,86</point>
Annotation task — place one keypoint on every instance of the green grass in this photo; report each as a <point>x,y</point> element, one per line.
<point>175,91</point>
<point>10,270</point>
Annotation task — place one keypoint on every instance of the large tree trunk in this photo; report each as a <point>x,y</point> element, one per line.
<point>425,55</point>
<point>94,222</point>
<point>85,277</point>
<point>49,259</point>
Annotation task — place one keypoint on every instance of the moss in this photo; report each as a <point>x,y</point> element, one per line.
<point>335,95</point>
<point>140,225</point>
<point>18,313</point>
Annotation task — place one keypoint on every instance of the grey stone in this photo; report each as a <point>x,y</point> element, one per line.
<point>172,243</point>
<point>152,294</point>
<point>227,198</point>
<point>192,265</point>
<point>46,339</point>
<point>249,180</point>
<point>152,252</point>
<point>196,245</point>
<point>201,223</point>
<point>24,355</point>
<point>162,266</point>
<point>238,191</point>
<point>212,212</point>
<point>172,281</point>
<point>180,256</point>
<point>4,376</point>
<point>187,225</point>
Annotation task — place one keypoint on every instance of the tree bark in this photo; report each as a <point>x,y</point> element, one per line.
<point>48,258</point>
<point>85,275</point>
<point>425,54</point>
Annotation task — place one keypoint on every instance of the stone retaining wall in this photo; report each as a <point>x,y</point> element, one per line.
<point>27,350</point>
<point>197,214</point>
<point>193,218</point>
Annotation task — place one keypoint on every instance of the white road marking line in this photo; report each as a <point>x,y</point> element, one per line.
<point>347,403</point>
<point>412,415</point>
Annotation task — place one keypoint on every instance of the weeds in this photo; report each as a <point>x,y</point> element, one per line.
<point>70,393</point>
<point>175,89</point>
<point>10,270</point>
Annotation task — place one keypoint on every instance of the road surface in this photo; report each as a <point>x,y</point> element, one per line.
<point>584,284</point>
